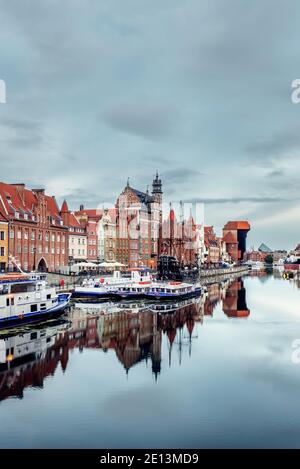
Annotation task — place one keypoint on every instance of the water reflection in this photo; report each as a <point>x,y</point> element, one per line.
<point>133,331</point>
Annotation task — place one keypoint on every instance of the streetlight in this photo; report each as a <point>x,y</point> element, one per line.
<point>34,258</point>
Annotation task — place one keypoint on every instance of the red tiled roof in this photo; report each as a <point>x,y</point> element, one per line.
<point>64,207</point>
<point>15,197</point>
<point>237,225</point>
<point>72,221</point>
<point>97,214</point>
<point>3,218</point>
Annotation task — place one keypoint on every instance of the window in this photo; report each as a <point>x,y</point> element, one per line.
<point>33,336</point>
<point>32,235</point>
<point>2,235</point>
<point>12,234</point>
<point>33,308</point>
<point>2,251</point>
<point>43,306</point>
<point>49,296</point>
<point>19,234</point>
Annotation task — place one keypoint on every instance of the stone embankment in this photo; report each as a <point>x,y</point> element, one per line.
<point>217,275</point>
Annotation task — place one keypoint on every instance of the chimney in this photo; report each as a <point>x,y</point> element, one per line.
<point>81,207</point>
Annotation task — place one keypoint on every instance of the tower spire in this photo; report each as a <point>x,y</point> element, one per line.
<point>156,184</point>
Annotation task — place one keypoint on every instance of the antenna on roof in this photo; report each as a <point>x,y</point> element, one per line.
<point>128,182</point>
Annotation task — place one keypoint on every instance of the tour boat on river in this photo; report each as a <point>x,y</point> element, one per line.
<point>27,298</point>
<point>140,285</point>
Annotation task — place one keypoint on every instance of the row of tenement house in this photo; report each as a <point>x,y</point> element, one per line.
<point>40,235</point>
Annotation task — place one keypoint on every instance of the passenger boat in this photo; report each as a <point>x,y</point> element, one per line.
<point>140,285</point>
<point>27,298</point>
<point>105,287</point>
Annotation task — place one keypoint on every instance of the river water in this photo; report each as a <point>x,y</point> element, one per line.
<point>220,372</point>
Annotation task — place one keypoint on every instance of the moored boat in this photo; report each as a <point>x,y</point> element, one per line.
<point>27,298</point>
<point>140,285</point>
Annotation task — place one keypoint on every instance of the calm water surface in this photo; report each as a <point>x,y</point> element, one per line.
<point>215,373</point>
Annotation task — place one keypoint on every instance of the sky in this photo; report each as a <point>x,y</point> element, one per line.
<point>98,91</point>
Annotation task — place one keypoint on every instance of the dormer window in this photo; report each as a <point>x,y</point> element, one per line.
<point>17,215</point>
<point>25,216</point>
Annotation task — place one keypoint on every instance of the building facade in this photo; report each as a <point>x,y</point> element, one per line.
<point>38,238</point>
<point>234,235</point>
<point>212,244</point>
<point>139,225</point>
<point>3,240</point>
<point>77,251</point>
<point>89,221</point>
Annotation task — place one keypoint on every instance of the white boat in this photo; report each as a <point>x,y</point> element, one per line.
<point>27,298</point>
<point>105,287</point>
<point>140,285</point>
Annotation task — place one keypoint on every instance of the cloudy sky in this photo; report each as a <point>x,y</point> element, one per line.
<point>201,90</point>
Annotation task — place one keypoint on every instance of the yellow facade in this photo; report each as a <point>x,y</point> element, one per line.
<point>3,245</point>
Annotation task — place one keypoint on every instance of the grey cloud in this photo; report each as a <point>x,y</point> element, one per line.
<point>280,145</point>
<point>95,91</point>
<point>21,133</point>
<point>145,120</point>
<point>180,175</point>
<point>231,200</point>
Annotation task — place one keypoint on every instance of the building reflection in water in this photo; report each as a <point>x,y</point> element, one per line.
<point>133,331</point>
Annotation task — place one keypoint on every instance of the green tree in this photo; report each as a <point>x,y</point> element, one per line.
<point>269,259</point>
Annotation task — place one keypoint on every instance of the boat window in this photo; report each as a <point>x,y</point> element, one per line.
<point>33,336</point>
<point>3,289</point>
<point>43,306</point>
<point>49,296</point>
<point>22,287</point>
<point>33,308</point>
<point>7,301</point>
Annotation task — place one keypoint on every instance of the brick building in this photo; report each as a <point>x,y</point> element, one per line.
<point>212,244</point>
<point>77,235</point>
<point>89,221</point>
<point>234,235</point>
<point>3,240</point>
<point>38,238</point>
<point>139,224</point>
<point>101,229</point>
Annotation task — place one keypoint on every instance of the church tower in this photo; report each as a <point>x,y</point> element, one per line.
<point>157,188</point>
<point>157,213</point>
